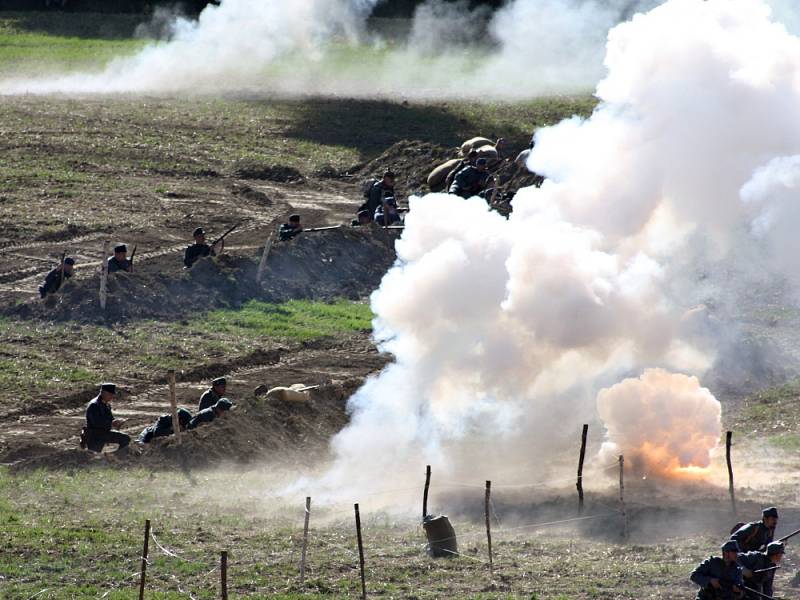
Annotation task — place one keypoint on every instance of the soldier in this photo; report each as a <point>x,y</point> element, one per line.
<point>197,250</point>
<point>469,161</point>
<point>56,277</point>
<point>100,421</point>
<point>758,570</point>
<point>379,192</point>
<point>288,230</point>
<point>213,394</point>
<point>719,578</point>
<point>758,534</point>
<point>387,214</point>
<point>119,262</point>
<point>470,181</point>
<point>207,415</point>
<point>163,426</point>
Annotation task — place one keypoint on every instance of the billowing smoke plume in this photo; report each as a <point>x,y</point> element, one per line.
<point>504,331</point>
<point>663,423</point>
<point>321,47</point>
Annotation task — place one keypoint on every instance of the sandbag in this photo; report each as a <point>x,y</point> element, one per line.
<point>438,175</point>
<point>522,158</point>
<point>289,394</point>
<point>475,142</point>
<point>488,152</point>
<point>441,536</point>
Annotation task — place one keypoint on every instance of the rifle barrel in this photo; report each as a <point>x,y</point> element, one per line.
<point>791,535</point>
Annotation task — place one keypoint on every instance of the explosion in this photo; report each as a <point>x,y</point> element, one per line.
<point>664,424</point>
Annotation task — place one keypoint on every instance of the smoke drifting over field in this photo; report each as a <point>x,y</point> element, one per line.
<point>323,47</point>
<point>505,331</point>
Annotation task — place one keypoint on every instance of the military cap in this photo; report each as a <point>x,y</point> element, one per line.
<point>184,416</point>
<point>730,546</point>
<point>770,512</point>
<point>294,218</point>
<point>363,213</point>
<point>108,387</point>
<point>480,162</point>
<point>198,231</point>
<point>389,173</point>
<point>219,381</point>
<point>775,548</point>
<point>69,261</point>
<point>120,248</point>
<point>223,404</point>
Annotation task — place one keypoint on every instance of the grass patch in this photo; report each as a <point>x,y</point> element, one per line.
<point>295,320</point>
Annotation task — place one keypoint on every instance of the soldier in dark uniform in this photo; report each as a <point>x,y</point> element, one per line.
<point>197,250</point>
<point>469,161</point>
<point>163,426</point>
<point>379,192</point>
<point>207,415</point>
<point>288,230</point>
<point>720,578</point>
<point>56,277</point>
<point>471,181</point>
<point>119,262</point>
<point>758,570</point>
<point>387,213</point>
<point>213,394</point>
<point>100,421</point>
<point>758,534</point>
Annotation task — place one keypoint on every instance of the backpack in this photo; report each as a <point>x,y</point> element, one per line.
<point>366,186</point>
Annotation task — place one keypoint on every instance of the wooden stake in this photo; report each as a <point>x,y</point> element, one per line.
<point>579,484</point>
<point>728,438</point>
<point>360,553</point>
<point>622,497</point>
<point>104,275</point>
<point>263,263</point>
<point>425,493</point>
<point>144,557</point>
<point>176,424</point>
<point>487,502</point>
<point>305,542</point>
<point>223,575</point>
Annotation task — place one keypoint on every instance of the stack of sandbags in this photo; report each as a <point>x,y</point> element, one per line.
<point>296,392</point>
<point>439,174</point>
<point>474,144</point>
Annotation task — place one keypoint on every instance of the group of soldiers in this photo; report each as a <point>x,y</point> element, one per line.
<point>748,563</point>
<point>102,428</point>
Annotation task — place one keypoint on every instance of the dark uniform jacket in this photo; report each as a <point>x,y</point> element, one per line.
<point>728,575</point>
<point>377,193</point>
<point>392,216</point>
<point>468,182</point>
<point>287,232</point>
<point>98,416</point>
<point>196,251</point>
<point>760,582</point>
<point>163,426</point>
<point>753,536</point>
<point>114,265</point>
<point>52,282</point>
<point>204,416</point>
<point>208,399</point>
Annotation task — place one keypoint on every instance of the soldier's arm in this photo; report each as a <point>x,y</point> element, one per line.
<point>702,575</point>
<point>187,257</point>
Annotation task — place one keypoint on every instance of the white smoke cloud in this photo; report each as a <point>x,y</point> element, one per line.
<point>505,331</point>
<point>661,423</point>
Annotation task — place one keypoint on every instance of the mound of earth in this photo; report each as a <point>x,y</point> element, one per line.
<point>257,428</point>
<point>277,173</point>
<point>338,263</point>
<point>411,160</point>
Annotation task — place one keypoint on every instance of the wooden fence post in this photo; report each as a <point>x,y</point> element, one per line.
<point>176,424</point>
<point>144,558</point>
<point>487,502</point>
<point>360,554</point>
<point>728,438</point>
<point>262,265</point>
<point>305,541</point>
<point>104,275</point>
<point>425,492</point>
<point>223,575</point>
<point>579,483</point>
<point>622,497</point>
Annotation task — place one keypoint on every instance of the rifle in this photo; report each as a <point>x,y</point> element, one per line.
<point>791,535</point>
<point>131,258</point>
<point>767,569</point>
<point>222,237</point>
<point>311,229</point>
